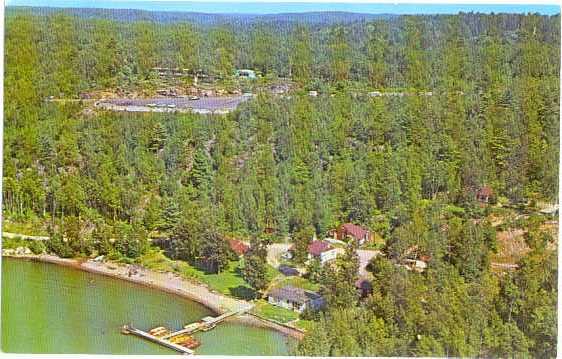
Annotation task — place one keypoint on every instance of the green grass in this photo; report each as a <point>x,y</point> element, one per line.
<point>157,261</point>
<point>32,227</point>
<point>229,281</point>
<point>266,310</point>
<point>306,325</point>
<point>12,243</point>
<point>298,282</point>
<point>373,245</point>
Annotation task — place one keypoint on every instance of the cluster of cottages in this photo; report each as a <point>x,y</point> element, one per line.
<point>299,299</point>
<point>323,249</point>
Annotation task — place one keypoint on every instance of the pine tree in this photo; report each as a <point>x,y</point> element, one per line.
<point>377,50</point>
<point>255,265</point>
<point>339,55</point>
<point>215,251</point>
<point>201,173</point>
<point>302,238</point>
<point>158,137</point>
<point>301,55</point>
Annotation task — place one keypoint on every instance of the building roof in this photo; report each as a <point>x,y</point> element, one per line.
<point>354,230</point>
<point>485,191</point>
<point>318,247</point>
<point>288,271</point>
<point>293,294</point>
<point>238,247</point>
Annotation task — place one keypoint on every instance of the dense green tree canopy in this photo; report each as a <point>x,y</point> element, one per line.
<point>476,105</point>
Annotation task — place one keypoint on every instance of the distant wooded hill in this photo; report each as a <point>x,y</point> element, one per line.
<point>132,15</point>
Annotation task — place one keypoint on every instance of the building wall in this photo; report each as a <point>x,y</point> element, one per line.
<point>328,256</point>
<point>280,303</point>
<point>285,304</point>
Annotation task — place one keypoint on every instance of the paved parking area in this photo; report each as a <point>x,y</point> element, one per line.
<point>211,104</point>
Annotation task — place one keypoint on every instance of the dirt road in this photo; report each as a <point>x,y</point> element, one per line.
<point>365,256</point>
<point>274,252</point>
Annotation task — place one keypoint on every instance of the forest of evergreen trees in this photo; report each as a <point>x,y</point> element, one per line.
<point>406,167</point>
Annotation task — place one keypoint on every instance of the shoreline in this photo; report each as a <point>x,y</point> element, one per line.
<point>170,283</point>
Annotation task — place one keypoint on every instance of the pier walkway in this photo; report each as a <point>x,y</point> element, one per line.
<point>205,324</point>
<point>167,340</point>
<point>128,329</point>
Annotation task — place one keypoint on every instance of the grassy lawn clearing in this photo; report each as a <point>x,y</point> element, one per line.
<point>156,260</point>
<point>229,281</point>
<point>32,227</point>
<point>266,310</point>
<point>298,282</point>
<point>305,325</point>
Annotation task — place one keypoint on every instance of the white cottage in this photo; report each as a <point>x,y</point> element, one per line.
<point>294,298</point>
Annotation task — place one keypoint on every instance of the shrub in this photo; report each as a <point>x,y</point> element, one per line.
<point>59,247</point>
<point>37,247</point>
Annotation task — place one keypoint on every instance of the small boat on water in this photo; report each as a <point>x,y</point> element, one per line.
<point>191,343</point>
<point>186,341</point>
<point>159,331</point>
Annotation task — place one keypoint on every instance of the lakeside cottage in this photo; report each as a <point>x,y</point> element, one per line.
<point>353,231</point>
<point>294,298</point>
<point>321,250</point>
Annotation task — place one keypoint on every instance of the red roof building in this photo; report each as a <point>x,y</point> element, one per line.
<point>484,194</point>
<point>321,250</point>
<point>316,248</point>
<point>238,247</point>
<point>350,230</point>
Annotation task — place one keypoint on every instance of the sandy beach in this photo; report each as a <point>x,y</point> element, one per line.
<point>171,283</point>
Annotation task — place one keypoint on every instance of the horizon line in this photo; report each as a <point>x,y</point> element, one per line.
<point>248,7</point>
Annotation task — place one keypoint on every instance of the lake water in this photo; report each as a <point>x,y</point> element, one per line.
<point>47,308</point>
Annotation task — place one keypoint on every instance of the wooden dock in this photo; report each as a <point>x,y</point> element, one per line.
<point>128,329</point>
<point>166,340</point>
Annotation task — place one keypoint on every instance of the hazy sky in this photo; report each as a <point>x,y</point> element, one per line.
<point>249,7</point>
